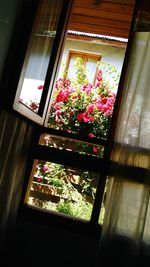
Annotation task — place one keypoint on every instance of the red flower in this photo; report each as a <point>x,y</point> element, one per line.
<point>90,108</point>
<point>95,150</point>
<point>39,179</point>
<point>62,96</point>
<point>80,117</point>
<point>40,87</point>
<point>91,135</point>
<point>87,118</point>
<point>33,105</point>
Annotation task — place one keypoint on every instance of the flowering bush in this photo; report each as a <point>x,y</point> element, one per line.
<point>81,107</point>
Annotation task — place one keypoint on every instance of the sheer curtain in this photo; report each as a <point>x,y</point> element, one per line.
<point>15,136</point>
<point>125,238</point>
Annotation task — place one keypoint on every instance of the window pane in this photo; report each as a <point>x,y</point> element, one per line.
<point>72,145</point>
<point>91,67</point>
<point>38,53</point>
<point>62,189</point>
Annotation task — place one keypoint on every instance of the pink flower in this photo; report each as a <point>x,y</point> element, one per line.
<point>108,112</point>
<point>99,78</point>
<point>57,119</point>
<point>105,107</point>
<point>97,84</point>
<point>87,88</point>
<point>100,106</point>
<point>58,112</point>
<point>45,168</point>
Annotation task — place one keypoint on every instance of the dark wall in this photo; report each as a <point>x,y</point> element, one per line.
<point>39,244</point>
<point>8,13</point>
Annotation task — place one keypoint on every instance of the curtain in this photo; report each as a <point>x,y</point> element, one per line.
<point>15,136</point>
<point>125,238</point>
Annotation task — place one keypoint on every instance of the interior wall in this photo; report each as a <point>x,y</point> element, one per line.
<point>40,244</point>
<point>8,13</point>
<point>15,134</point>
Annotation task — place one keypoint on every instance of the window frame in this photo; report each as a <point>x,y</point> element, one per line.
<point>85,56</point>
<point>37,151</point>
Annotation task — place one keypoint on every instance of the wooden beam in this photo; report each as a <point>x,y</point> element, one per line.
<point>109,31</point>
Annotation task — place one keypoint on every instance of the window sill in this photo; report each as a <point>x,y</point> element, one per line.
<point>60,221</point>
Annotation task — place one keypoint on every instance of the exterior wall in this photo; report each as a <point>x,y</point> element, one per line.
<point>109,53</point>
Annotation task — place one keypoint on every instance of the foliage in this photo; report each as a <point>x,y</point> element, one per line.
<point>64,177</point>
<point>77,188</point>
<point>81,107</point>
<point>80,210</point>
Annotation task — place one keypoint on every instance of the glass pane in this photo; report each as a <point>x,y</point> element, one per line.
<point>72,145</point>
<point>38,53</point>
<point>91,67</point>
<point>62,189</point>
<point>71,71</point>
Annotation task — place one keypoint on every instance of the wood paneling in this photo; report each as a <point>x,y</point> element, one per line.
<point>108,17</point>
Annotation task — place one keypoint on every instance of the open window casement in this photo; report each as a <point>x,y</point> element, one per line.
<point>41,59</point>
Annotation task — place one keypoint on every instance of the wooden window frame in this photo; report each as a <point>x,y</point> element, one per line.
<point>85,56</point>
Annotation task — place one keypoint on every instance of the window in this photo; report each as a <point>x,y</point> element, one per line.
<point>69,86</point>
<point>89,62</point>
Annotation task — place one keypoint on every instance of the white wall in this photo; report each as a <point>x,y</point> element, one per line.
<point>109,53</point>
